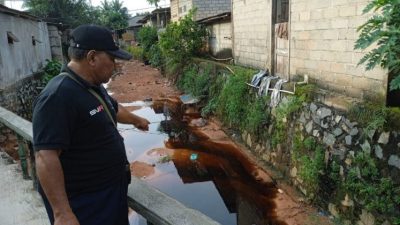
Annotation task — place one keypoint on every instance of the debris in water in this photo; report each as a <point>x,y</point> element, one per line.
<point>193,156</point>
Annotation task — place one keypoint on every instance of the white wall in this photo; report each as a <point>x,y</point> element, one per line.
<point>220,37</point>
<point>22,59</point>
<point>252,32</point>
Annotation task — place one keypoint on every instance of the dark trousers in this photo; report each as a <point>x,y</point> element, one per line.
<point>105,207</point>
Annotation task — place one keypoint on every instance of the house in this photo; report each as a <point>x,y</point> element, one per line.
<point>133,28</point>
<point>313,37</point>
<point>158,18</point>
<point>205,8</point>
<point>25,45</point>
<point>220,35</point>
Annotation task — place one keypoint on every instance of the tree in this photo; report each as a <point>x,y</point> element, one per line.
<point>69,12</point>
<point>114,15</point>
<point>383,30</point>
<point>153,2</point>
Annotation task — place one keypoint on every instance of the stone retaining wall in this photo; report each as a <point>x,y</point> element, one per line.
<point>341,141</point>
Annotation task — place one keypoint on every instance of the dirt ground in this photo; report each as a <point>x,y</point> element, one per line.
<point>139,82</point>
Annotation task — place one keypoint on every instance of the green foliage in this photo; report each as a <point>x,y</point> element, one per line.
<point>136,51</point>
<point>306,92</point>
<point>382,30</point>
<point>213,94</point>
<point>256,116</point>
<point>153,2</point>
<point>69,12</point>
<point>378,194</point>
<point>182,40</point>
<point>155,56</point>
<point>147,37</point>
<point>195,81</point>
<point>284,110</point>
<point>234,98</point>
<point>311,169</point>
<point>52,69</point>
<point>113,15</point>
<point>76,12</point>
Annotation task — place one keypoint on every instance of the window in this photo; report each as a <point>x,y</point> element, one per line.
<point>180,9</point>
<point>282,11</point>
<point>11,38</point>
<point>184,8</point>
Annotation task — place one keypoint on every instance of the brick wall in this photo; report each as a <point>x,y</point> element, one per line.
<point>207,8</point>
<point>174,10</point>
<point>252,32</point>
<point>322,45</point>
<point>220,37</point>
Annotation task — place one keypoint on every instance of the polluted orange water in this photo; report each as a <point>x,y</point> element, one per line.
<point>213,178</point>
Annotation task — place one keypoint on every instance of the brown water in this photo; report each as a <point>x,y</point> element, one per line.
<point>212,178</point>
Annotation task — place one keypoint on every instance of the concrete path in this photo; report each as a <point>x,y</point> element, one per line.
<point>20,204</point>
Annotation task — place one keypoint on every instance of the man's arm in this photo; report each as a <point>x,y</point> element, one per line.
<point>124,116</point>
<point>51,177</point>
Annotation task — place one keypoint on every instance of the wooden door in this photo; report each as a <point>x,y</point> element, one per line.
<point>281,42</point>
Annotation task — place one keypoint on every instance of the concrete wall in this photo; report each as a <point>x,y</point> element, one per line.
<point>207,8</point>
<point>55,43</point>
<point>220,37</point>
<point>179,8</point>
<point>21,59</point>
<point>322,45</point>
<point>252,32</point>
<point>322,36</point>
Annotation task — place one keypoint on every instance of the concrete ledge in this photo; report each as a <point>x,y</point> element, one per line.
<point>160,209</point>
<point>21,126</point>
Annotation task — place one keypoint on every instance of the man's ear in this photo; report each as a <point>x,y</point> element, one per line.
<point>91,57</point>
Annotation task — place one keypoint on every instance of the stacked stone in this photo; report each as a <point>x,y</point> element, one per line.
<point>342,139</point>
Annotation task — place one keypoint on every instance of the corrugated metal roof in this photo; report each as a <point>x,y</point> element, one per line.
<point>134,21</point>
<point>17,13</point>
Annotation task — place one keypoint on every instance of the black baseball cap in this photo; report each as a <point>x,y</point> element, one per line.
<point>93,37</point>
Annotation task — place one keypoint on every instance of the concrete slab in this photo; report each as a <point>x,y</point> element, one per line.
<point>19,202</point>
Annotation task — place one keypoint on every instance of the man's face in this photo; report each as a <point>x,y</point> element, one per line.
<point>104,67</point>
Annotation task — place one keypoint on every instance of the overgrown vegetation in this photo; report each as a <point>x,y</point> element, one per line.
<point>308,156</point>
<point>52,69</point>
<point>73,13</point>
<point>376,193</point>
<point>180,42</point>
<point>382,30</point>
<point>374,116</point>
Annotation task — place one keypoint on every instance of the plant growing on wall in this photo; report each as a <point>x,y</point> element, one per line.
<point>382,31</point>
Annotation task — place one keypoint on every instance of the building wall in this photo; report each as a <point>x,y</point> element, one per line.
<point>21,59</point>
<point>207,8</point>
<point>220,37</point>
<point>252,32</point>
<point>322,45</point>
<point>322,36</point>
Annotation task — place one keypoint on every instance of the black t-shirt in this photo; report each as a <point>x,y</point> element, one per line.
<point>67,116</point>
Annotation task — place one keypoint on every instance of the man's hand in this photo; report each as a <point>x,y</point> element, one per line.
<point>126,117</point>
<point>67,218</point>
<point>142,124</point>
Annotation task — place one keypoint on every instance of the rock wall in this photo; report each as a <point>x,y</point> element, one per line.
<point>353,161</point>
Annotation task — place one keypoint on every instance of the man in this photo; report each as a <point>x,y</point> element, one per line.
<point>80,156</point>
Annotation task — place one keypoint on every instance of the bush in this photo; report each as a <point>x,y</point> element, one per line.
<point>52,69</point>
<point>137,52</point>
<point>181,41</point>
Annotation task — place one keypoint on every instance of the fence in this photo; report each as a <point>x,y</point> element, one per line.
<point>153,205</point>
